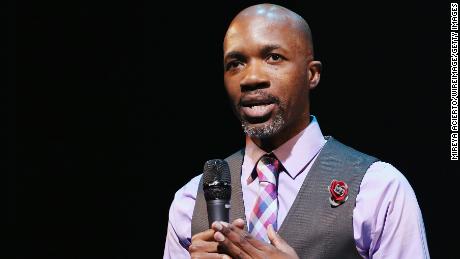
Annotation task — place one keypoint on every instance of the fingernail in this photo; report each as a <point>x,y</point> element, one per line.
<point>218,226</point>
<point>224,223</point>
<point>239,221</point>
<point>270,227</point>
<point>219,237</point>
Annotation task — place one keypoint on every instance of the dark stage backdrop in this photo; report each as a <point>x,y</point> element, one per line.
<point>120,104</point>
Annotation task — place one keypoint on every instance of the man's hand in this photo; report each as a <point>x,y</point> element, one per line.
<point>204,246</point>
<point>240,244</point>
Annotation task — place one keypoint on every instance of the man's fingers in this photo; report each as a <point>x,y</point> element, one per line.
<point>209,256</point>
<point>260,245</point>
<point>199,246</point>
<point>203,242</point>
<point>228,247</point>
<point>239,223</point>
<point>205,235</point>
<point>241,239</point>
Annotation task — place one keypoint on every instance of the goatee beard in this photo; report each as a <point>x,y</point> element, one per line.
<point>266,130</point>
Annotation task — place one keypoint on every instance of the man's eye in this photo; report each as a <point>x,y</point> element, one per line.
<point>274,58</point>
<point>233,65</point>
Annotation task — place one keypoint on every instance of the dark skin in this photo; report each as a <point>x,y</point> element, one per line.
<point>225,241</point>
<point>267,52</point>
<point>271,53</point>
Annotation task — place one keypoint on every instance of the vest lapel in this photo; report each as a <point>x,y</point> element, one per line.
<point>237,203</point>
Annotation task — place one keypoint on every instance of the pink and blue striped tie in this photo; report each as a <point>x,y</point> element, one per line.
<point>265,210</point>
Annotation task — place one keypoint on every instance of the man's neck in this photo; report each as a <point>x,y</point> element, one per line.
<point>271,143</point>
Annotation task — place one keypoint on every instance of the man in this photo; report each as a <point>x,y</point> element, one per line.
<point>296,194</point>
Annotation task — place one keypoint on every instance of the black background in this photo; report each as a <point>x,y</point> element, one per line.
<point>119,104</point>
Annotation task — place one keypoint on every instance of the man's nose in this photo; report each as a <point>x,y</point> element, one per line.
<point>254,78</point>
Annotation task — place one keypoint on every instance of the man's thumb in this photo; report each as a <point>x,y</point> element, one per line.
<point>279,243</point>
<point>275,239</point>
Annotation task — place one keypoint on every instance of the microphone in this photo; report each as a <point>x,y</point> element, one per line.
<point>217,190</point>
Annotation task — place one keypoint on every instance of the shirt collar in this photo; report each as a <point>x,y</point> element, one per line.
<point>294,154</point>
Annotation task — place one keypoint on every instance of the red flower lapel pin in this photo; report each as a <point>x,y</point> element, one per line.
<point>339,192</point>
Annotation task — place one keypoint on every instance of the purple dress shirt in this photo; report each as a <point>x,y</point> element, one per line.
<point>387,222</point>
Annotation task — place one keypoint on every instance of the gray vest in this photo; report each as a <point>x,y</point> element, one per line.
<point>312,226</point>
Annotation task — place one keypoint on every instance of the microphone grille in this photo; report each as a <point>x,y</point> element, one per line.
<point>216,171</point>
<point>216,180</point>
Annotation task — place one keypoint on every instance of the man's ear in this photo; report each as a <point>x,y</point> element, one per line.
<point>314,73</point>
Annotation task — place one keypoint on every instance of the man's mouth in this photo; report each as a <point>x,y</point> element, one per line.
<point>257,109</point>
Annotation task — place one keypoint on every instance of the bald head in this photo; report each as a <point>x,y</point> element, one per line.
<point>269,70</point>
<point>271,15</point>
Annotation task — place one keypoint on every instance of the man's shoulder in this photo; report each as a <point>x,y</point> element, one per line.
<point>382,188</point>
<point>348,152</point>
<point>382,179</point>
<point>189,190</point>
<point>385,173</point>
<point>379,173</point>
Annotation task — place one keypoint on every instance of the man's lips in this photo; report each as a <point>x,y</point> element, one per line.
<point>257,108</point>
<point>258,111</point>
<point>255,100</point>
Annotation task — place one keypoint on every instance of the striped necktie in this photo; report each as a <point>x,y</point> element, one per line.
<point>265,211</point>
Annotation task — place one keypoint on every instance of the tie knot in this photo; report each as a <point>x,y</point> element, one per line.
<point>268,168</point>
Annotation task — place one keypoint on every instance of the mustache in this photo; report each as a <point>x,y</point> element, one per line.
<point>260,96</point>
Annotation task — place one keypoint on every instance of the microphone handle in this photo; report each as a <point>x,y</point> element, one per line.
<point>218,210</point>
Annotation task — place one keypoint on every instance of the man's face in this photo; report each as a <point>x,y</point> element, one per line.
<point>266,75</point>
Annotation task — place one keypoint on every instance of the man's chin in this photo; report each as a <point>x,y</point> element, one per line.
<point>260,121</point>
<point>263,129</point>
